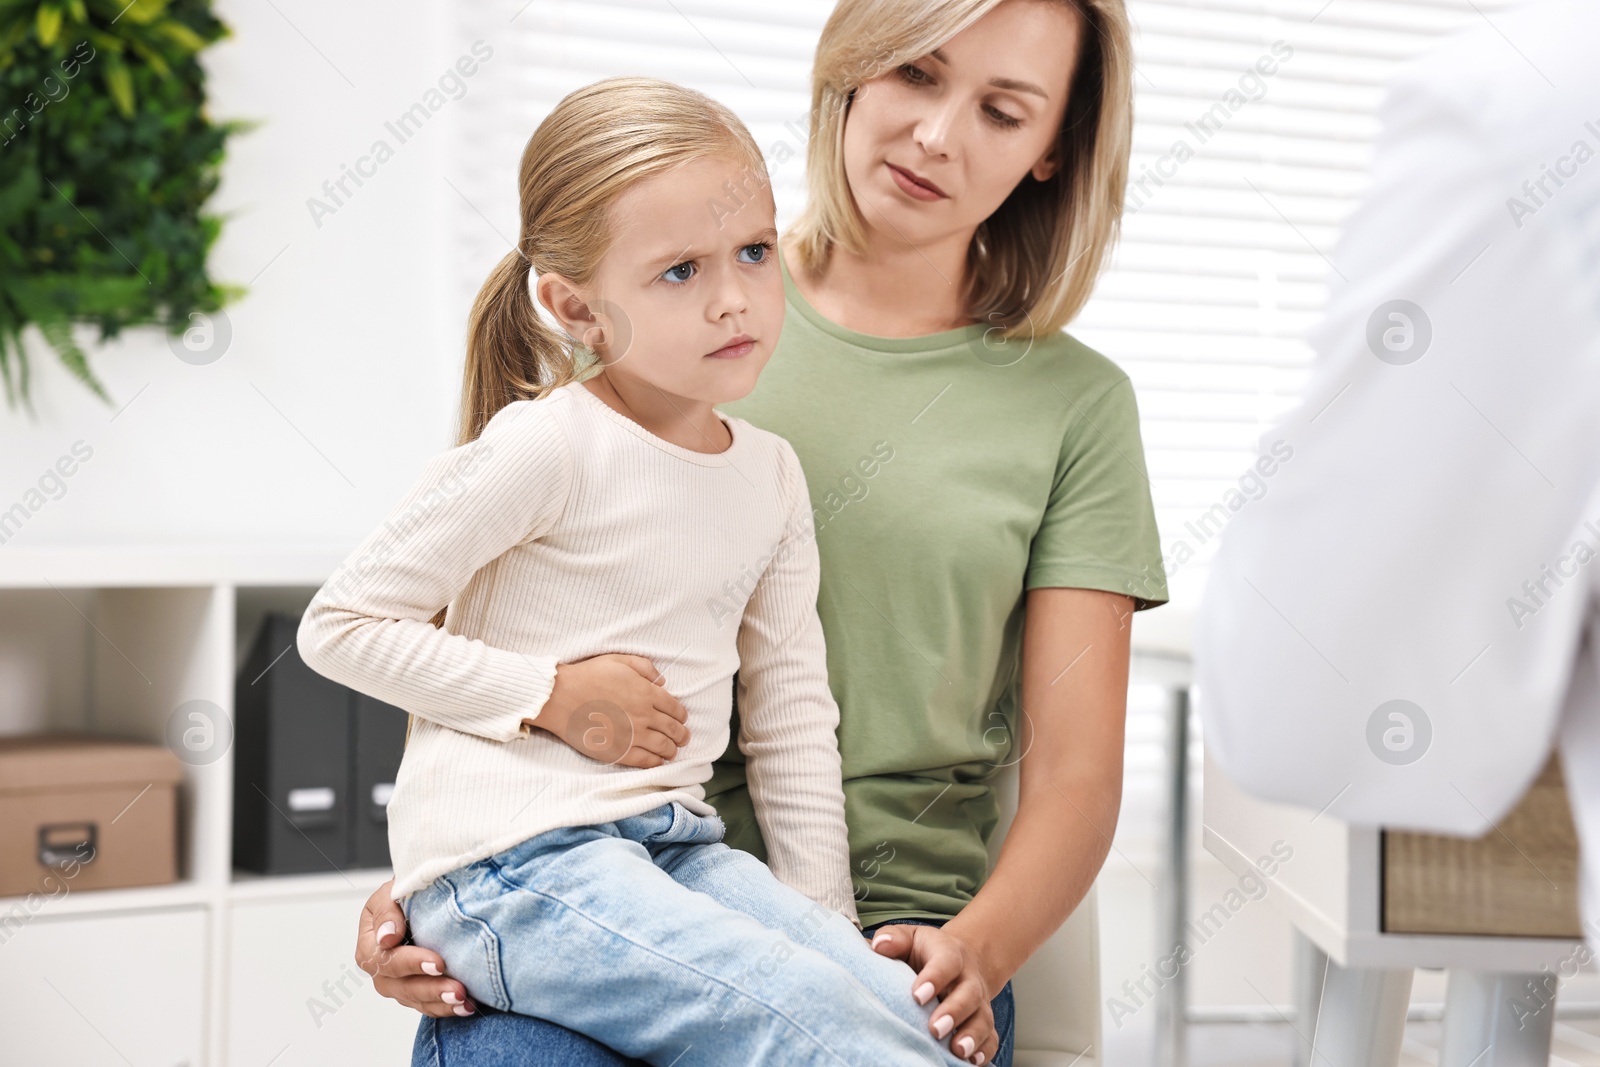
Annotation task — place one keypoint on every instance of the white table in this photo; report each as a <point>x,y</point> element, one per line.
<point>1330,891</point>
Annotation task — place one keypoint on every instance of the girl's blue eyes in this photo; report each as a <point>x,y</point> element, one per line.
<point>674,273</point>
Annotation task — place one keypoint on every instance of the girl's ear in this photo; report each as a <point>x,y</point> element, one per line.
<point>566,302</point>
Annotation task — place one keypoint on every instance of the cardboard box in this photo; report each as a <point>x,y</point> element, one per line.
<point>90,812</point>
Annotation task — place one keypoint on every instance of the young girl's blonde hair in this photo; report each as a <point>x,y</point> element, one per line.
<point>1033,263</point>
<point>596,144</point>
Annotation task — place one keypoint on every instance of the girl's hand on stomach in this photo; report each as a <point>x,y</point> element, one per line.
<point>613,709</point>
<point>406,973</point>
<point>946,968</point>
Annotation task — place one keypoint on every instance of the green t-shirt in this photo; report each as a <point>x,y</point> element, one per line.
<point>947,476</point>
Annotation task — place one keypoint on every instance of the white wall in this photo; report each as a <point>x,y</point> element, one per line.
<point>341,376</point>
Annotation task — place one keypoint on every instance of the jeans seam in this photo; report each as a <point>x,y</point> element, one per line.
<point>792,1024</point>
<point>433,1050</point>
<point>491,943</point>
<point>1011,1023</point>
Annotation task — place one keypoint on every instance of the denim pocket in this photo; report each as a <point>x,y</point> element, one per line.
<point>687,828</point>
<point>676,813</point>
<point>442,920</point>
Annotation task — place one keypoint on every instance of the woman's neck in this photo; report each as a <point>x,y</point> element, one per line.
<point>899,291</point>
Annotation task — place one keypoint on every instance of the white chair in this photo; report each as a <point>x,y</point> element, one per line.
<point>1058,990</point>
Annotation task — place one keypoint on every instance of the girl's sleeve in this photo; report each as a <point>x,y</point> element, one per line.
<point>788,718</point>
<point>369,626</point>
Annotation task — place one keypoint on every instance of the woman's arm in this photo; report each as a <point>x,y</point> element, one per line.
<point>1074,701</point>
<point>1074,706</point>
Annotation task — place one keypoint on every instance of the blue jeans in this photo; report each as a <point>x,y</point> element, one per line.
<point>502,1039</point>
<point>653,937</point>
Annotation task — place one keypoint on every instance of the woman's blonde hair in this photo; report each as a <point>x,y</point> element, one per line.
<point>1033,263</point>
<point>595,145</point>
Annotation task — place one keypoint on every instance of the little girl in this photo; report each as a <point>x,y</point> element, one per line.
<point>610,550</point>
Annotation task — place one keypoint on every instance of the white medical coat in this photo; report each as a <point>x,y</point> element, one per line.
<point>1436,537</point>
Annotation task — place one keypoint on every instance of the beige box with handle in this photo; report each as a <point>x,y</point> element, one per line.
<point>86,812</point>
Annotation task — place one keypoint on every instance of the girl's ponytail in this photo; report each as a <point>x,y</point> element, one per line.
<point>512,353</point>
<point>595,145</point>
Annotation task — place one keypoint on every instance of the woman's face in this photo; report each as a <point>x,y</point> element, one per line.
<point>972,119</point>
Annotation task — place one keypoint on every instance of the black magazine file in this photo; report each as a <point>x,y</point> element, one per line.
<point>314,762</point>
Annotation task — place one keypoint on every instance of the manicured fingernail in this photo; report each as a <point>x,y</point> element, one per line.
<point>879,939</point>
<point>462,1009</point>
<point>924,993</point>
<point>431,968</point>
<point>386,929</point>
<point>964,1046</point>
<point>450,996</point>
<point>943,1025</point>
<point>979,1061</point>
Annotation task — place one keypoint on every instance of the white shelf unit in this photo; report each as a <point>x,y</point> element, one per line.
<point>221,968</point>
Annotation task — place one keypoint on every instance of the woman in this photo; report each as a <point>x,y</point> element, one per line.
<point>971,467</point>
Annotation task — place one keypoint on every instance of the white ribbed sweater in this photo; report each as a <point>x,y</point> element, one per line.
<point>567,530</point>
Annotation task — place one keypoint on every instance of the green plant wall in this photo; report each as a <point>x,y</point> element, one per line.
<point>107,159</point>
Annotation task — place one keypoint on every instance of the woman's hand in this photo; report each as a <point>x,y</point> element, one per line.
<point>406,973</point>
<point>946,968</point>
<point>613,709</point>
